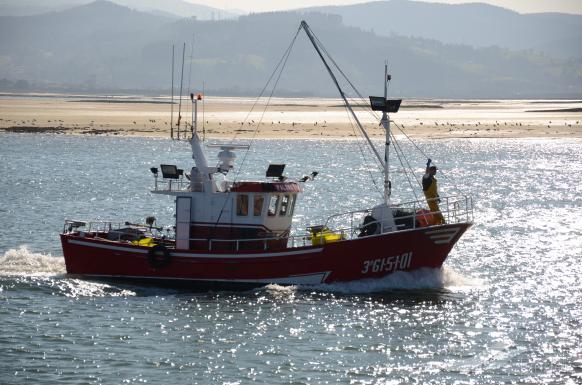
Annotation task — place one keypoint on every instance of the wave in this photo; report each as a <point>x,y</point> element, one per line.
<point>51,270</point>
<point>22,261</point>
<point>24,269</point>
<point>422,279</point>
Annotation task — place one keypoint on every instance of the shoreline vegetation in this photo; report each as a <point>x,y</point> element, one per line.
<point>286,118</point>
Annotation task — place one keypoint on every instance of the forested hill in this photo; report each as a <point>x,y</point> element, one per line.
<point>103,47</point>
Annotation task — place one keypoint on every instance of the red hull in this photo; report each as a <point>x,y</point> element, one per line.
<point>369,257</point>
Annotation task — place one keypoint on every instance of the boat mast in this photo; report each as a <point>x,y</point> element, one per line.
<point>348,106</point>
<point>386,124</point>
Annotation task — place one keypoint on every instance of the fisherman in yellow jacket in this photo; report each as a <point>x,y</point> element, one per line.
<point>429,186</point>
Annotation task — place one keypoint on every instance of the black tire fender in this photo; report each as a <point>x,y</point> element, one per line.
<point>158,256</point>
<point>369,227</point>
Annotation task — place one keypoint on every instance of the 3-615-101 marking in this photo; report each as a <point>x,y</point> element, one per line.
<point>387,264</point>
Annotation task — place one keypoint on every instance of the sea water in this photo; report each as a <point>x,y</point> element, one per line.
<point>506,307</point>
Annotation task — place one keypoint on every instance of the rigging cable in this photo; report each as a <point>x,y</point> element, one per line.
<point>324,50</point>
<point>282,62</point>
<point>373,113</point>
<point>454,186</point>
<point>361,98</point>
<point>376,116</point>
<point>400,155</point>
<point>356,132</point>
<point>319,48</point>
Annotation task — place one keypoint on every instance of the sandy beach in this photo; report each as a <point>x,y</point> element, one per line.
<point>229,117</point>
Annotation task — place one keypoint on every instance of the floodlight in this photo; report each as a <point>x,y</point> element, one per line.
<point>169,171</point>
<point>275,170</point>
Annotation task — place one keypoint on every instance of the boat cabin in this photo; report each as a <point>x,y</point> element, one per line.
<point>230,215</point>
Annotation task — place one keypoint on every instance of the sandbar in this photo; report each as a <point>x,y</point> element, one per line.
<point>310,118</point>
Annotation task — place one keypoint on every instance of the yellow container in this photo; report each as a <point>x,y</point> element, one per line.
<point>149,242</point>
<point>324,237</point>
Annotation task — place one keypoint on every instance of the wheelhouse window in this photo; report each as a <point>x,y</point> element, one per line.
<point>273,203</point>
<point>258,205</point>
<point>292,204</point>
<point>284,205</point>
<point>242,205</point>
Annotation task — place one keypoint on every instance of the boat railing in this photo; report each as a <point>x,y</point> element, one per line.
<point>125,231</point>
<point>344,226</point>
<point>413,214</point>
<point>176,185</point>
<point>117,231</point>
<point>249,244</point>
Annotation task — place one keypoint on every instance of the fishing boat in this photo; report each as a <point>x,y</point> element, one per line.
<point>238,233</point>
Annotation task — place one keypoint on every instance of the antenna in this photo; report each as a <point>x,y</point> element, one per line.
<point>203,121</point>
<point>386,123</point>
<point>181,85</point>
<point>172,99</point>
<point>190,73</point>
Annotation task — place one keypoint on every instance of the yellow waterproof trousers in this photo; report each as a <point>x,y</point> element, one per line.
<point>433,205</point>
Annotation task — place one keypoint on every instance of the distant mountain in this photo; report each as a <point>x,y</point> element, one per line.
<point>169,8</point>
<point>103,47</point>
<point>475,24</point>
<point>73,46</point>
<point>35,7</point>
<point>178,8</point>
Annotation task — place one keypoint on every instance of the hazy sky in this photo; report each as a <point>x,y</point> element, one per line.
<point>522,6</point>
